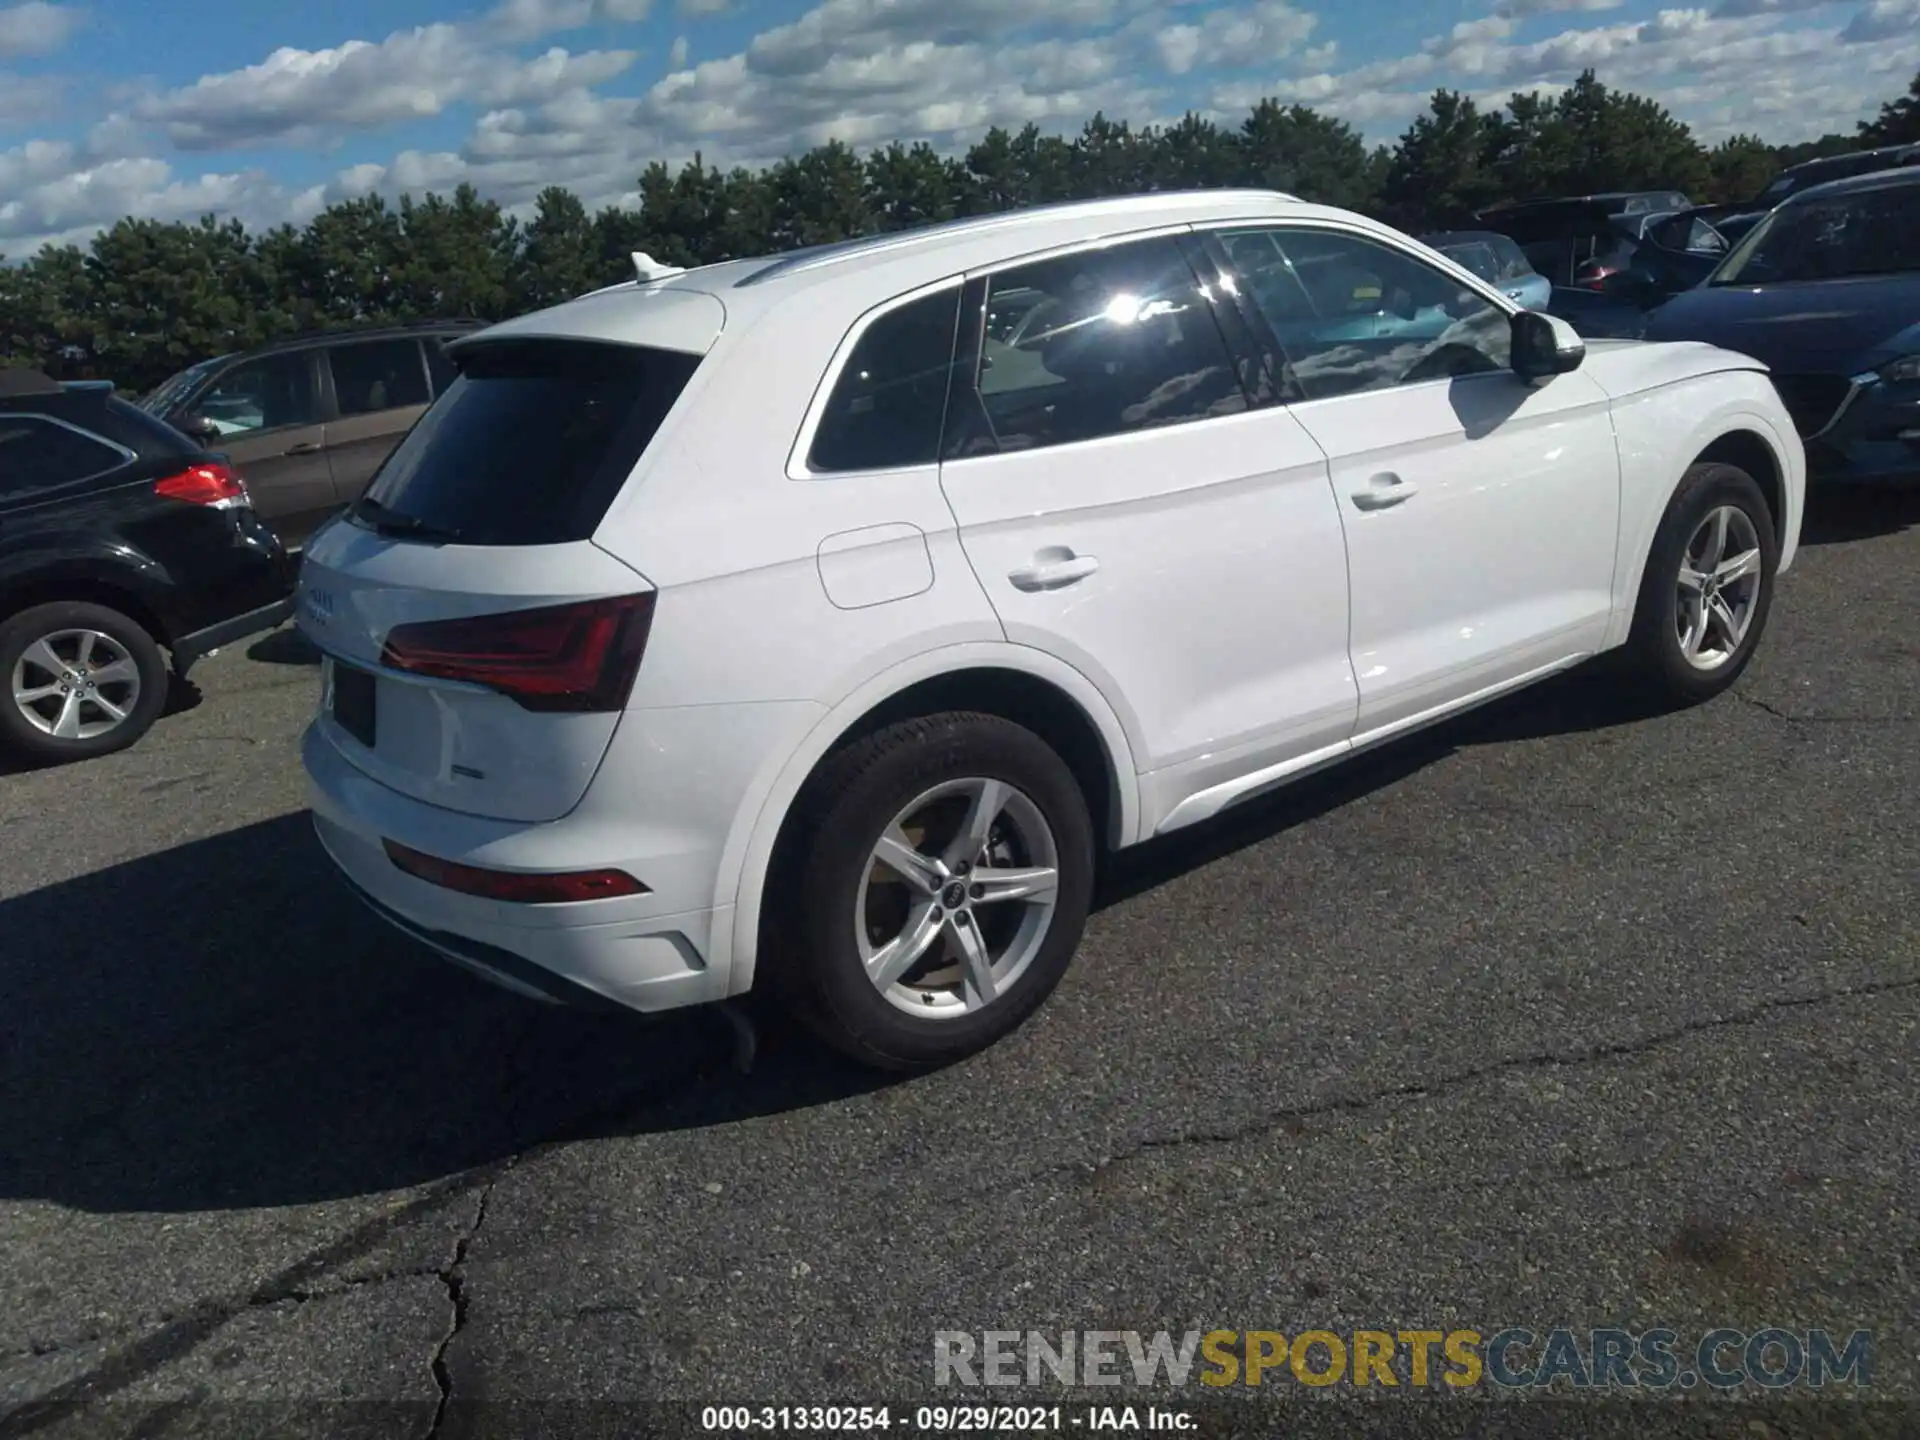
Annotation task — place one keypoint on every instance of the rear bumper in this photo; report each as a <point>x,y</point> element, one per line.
<point>669,796</point>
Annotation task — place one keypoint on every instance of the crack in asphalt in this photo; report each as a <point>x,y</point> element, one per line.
<point>453,1276</point>
<point>186,1332</point>
<point>1792,719</point>
<point>1293,1115</point>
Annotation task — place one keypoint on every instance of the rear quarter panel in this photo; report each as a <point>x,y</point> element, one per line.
<point>1670,403</point>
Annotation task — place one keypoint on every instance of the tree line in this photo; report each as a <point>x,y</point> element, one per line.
<point>143,298</point>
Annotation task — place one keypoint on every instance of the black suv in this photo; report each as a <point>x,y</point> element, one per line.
<point>311,418</point>
<point>118,536</point>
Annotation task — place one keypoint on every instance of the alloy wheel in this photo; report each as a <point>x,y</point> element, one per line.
<point>957,898</point>
<point>76,684</point>
<point>1719,588</point>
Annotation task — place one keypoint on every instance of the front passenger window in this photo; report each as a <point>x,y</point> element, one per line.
<point>1378,318</point>
<point>274,392</point>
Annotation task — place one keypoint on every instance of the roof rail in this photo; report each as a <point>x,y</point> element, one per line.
<point>26,382</point>
<point>863,245</point>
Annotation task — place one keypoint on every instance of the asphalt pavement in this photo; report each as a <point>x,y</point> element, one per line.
<point>1559,1015</point>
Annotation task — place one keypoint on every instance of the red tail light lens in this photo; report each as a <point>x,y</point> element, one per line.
<point>208,484</point>
<point>579,657</point>
<point>514,886</point>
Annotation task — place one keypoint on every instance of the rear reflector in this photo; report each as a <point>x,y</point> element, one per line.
<point>518,887</point>
<point>208,484</point>
<point>558,657</point>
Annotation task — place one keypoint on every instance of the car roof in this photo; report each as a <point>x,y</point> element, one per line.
<point>1894,154</point>
<point>1895,179</point>
<point>871,269</point>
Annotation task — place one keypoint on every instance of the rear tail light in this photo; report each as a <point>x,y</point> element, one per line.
<point>208,484</point>
<point>580,657</point>
<point>518,887</point>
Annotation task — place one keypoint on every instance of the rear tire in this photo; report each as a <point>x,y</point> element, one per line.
<point>1707,588</point>
<point>915,966</point>
<point>114,675</point>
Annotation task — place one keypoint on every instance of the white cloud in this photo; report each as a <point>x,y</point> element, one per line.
<point>1235,36</point>
<point>305,97</point>
<point>1884,20</point>
<point>28,97</point>
<point>677,56</point>
<point>37,28</point>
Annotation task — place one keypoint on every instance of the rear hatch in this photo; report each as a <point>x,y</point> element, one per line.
<point>479,646</point>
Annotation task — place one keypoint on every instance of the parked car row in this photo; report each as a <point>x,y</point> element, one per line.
<point>819,621</point>
<point>1824,287</point>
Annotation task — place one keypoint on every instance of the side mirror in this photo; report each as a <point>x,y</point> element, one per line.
<point>1545,346</point>
<point>198,427</point>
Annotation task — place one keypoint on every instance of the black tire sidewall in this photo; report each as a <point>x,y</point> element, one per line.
<point>1654,645</point>
<point>22,630</point>
<point>868,788</point>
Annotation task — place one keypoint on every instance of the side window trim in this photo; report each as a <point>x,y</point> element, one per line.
<point>127,457</point>
<point>963,376</point>
<point>797,467</point>
<point>1282,388</point>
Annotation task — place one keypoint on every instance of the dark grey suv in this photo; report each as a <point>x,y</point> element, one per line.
<point>308,420</point>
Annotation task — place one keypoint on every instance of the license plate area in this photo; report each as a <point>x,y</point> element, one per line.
<point>353,703</point>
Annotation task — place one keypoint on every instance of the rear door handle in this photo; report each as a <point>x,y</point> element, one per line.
<point>1053,568</point>
<point>305,447</point>
<point>1383,490</point>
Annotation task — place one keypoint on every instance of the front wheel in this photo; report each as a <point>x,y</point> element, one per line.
<point>941,882</point>
<point>82,680</point>
<point>1707,588</point>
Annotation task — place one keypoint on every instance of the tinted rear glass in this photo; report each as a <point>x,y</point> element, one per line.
<point>533,441</point>
<point>38,453</point>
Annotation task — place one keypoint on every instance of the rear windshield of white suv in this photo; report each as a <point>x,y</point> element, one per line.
<point>529,446</point>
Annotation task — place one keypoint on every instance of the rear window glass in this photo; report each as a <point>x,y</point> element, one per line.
<point>39,454</point>
<point>531,443</point>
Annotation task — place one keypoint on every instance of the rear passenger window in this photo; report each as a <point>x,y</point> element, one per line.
<point>37,454</point>
<point>887,404</point>
<point>377,375</point>
<point>1120,339</point>
<point>533,441</point>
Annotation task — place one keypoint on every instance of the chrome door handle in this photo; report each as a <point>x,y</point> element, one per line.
<point>1384,490</point>
<point>1053,568</point>
<point>305,447</point>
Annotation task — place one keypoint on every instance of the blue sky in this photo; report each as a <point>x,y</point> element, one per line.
<point>114,107</point>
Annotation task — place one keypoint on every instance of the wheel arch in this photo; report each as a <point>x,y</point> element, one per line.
<point>1017,682</point>
<point>1737,434</point>
<point>82,587</point>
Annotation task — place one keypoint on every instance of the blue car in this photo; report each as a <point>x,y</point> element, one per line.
<point>1497,260</point>
<point>1826,291</point>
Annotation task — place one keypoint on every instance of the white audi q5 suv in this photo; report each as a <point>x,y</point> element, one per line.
<point>818,621</point>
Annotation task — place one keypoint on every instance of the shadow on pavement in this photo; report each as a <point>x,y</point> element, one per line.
<point>285,646</point>
<point>221,1026</point>
<point>1840,514</point>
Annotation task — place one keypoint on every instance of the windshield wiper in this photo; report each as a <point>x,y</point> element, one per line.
<point>396,526</point>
